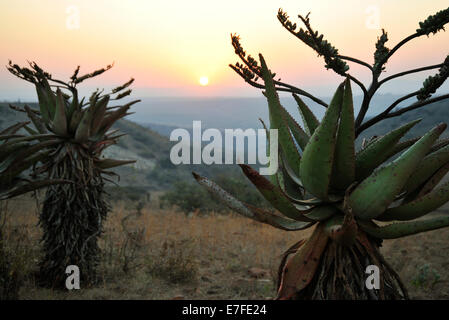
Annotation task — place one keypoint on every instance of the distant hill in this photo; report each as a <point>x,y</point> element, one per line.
<point>431,115</point>
<point>230,112</point>
<point>153,169</point>
<point>151,147</point>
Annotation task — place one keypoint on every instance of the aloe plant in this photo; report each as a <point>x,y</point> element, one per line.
<point>324,182</point>
<point>17,154</point>
<point>72,214</point>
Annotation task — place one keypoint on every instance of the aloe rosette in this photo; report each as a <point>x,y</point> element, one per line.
<point>342,192</point>
<point>72,135</point>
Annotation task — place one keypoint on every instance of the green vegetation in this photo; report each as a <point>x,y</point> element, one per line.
<point>190,197</point>
<point>324,182</point>
<point>73,134</point>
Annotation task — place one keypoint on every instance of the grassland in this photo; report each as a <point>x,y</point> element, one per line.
<point>164,254</point>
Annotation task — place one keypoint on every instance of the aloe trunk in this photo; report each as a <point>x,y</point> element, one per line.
<point>341,274</point>
<point>71,219</point>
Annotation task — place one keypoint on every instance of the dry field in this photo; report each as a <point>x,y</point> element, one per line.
<point>159,254</point>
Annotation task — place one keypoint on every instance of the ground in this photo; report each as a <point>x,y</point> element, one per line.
<point>164,254</point>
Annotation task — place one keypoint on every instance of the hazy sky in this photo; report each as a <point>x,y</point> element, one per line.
<point>168,45</point>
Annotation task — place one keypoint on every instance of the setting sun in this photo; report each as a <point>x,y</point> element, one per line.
<point>204,81</point>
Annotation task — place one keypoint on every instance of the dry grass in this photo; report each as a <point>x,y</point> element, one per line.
<point>154,254</point>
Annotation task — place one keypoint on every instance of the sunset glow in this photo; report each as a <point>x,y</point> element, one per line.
<point>204,81</point>
<point>166,44</point>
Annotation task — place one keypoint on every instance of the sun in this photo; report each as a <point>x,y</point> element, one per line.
<point>204,81</point>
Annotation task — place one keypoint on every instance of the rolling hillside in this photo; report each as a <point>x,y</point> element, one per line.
<point>153,169</point>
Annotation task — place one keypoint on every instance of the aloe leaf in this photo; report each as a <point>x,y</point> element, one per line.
<point>439,144</point>
<point>100,110</point>
<point>300,136</point>
<point>374,194</point>
<point>343,173</point>
<point>14,128</point>
<point>399,147</point>
<point>112,163</point>
<point>380,150</point>
<point>290,186</point>
<point>403,229</point>
<point>427,167</point>
<point>37,122</point>
<point>299,270</point>
<point>29,186</point>
<point>318,156</point>
<point>60,120</point>
<point>434,180</point>
<point>279,120</point>
<point>321,213</point>
<point>83,131</point>
<point>250,211</point>
<point>273,194</point>
<point>308,118</point>
<point>418,207</point>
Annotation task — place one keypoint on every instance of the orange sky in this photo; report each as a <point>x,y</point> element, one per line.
<point>168,45</point>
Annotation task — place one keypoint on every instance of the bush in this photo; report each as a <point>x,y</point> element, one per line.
<point>176,263</point>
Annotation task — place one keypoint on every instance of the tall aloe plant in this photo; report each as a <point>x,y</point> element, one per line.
<point>324,182</point>
<point>72,214</point>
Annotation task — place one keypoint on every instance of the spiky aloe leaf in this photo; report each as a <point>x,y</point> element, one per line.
<point>289,185</point>
<point>14,128</point>
<point>427,167</point>
<point>60,119</point>
<point>439,144</point>
<point>308,118</point>
<point>38,124</point>
<point>322,212</point>
<point>100,111</point>
<point>28,186</point>
<point>47,100</point>
<point>374,194</point>
<point>250,211</point>
<point>401,146</point>
<point>403,229</point>
<point>7,150</point>
<point>278,119</point>
<point>110,118</point>
<point>75,120</point>
<point>83,131</point>
<point>377,152</point>
<point>112,163</point>
<point>301,267</point>
<point>318,156</point>
<point>274,195</point>
<point>300,136</point>
<point>433,181</point>
<point>10,136</point>
<point>276,179</point>
<point>43,103</point>
<point>18,166</point>
<point>344,161</point>
<point>418,207</point>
